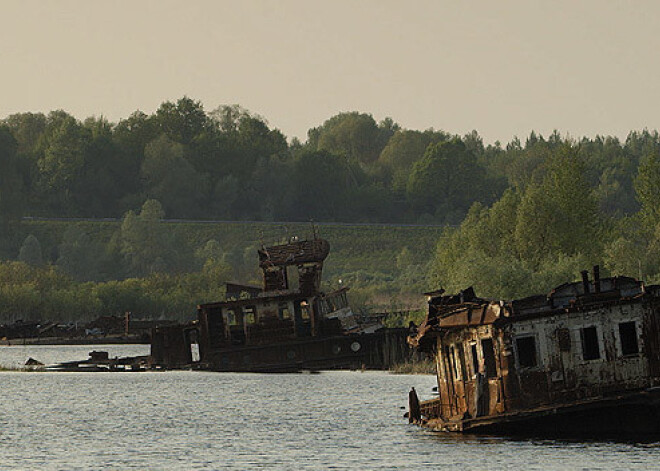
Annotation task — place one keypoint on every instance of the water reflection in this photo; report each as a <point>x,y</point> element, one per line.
<point>197,420</point>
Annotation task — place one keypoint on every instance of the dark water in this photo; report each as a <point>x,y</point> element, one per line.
<point>196,420</point>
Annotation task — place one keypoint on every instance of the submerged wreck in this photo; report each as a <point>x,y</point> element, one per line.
<point>583,360</point>
<point>287,325</point>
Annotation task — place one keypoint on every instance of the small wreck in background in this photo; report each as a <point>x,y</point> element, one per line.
<point>582,360</point>
<point>289,324</point>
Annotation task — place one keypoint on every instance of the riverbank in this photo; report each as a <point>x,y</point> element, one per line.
<point>415,367</point>
<point>109,340</point>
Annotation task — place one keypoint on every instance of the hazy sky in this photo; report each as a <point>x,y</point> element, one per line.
<point>500,67</point>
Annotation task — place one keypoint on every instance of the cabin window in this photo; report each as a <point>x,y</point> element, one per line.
<point>564,339</point>
<point>250,315</point>
<point>232,319</point>
<point>488,352</point>
<point>628,337</point>
<point>283,312</point>
<point>475,359</point>
<point>526,351</point>
<point>590,344</point>
<point>304,310</point>
<point>460,353</point>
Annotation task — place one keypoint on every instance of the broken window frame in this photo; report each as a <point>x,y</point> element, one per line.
<point>231,317</point>
<point>490,358</point>
<point>281,310</point>
<point>459,351</point>
<point>518,352</point>
<point>250,315</point>
<point>633,338</point>
<point>586,345</point>
<point>305,311</point>
<point>474,354</point>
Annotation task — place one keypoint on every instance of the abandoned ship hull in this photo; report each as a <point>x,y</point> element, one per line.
<point>288,324</point>
<point>583,360</point>
<point>379,350</point>
<point>630,415</point>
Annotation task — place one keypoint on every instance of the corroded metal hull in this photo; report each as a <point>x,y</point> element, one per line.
<point>379,350</point>
<point>630,415</point>
<point>583,360</point>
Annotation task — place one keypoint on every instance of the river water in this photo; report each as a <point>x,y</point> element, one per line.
<point>199,420</point>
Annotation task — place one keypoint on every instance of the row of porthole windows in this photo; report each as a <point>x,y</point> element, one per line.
<point>527,354</point>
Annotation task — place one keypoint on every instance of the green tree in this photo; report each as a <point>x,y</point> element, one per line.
<point>30,251</point>
<point>405,148</point>
<point>182,121</point>
<point>647,187</point>
<point>64,145</point>
<point>11,197</point>
<point>171,179</point>
<point>559,215</point>
<point>79,256</point>
<point>27,129</point>
<point>447,180</point>
<point>142,241</point>
<point>320,179</point>
<point>354,135</point>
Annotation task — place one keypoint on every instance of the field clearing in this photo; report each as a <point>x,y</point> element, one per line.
<point>354,247</point>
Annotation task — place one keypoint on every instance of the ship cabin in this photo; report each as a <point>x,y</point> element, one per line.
<point>274,317</point>
<point>276,321</point>
<point>286,325</point>
<point>583,359</point>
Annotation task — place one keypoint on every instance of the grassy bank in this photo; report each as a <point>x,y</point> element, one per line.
<point>373,248</point>
<point>418,367</point>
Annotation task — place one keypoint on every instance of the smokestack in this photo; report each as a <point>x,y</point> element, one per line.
<point>585,281</point>
<point>597,278</point>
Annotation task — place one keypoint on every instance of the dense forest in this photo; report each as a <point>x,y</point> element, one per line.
<point>518,217</point>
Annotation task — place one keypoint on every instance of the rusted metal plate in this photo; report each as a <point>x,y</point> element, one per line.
<point>583,344</point>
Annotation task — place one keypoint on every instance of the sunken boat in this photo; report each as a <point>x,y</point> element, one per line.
<point>583,360</point>
<point>287,325</point>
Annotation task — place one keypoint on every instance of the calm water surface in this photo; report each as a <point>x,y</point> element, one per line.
<point>196,420</point>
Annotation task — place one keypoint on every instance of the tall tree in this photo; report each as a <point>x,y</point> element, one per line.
<point>182,121</point>
<point>319,181</point>
<point>11,201</point>
<point>30,251</point>
<point>405,148</point>
<point>79,256</point>
<point>559,215</point>
<point>64,145</point>
<point>169,178</point>
<point>647,187</point>
<point>447,180</point>
<point>141,238</point>
<point>354,135</point>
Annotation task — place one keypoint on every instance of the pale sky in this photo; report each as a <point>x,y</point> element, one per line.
<point>500,67</point>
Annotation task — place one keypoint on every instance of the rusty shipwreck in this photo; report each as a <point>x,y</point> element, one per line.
<point>583,360</point>
<point>289,324</point>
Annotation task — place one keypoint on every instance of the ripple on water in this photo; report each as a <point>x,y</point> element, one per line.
<point>197,420</point>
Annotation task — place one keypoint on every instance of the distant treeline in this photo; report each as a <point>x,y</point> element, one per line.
<point>229,164</point>
<point>531,214</point>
